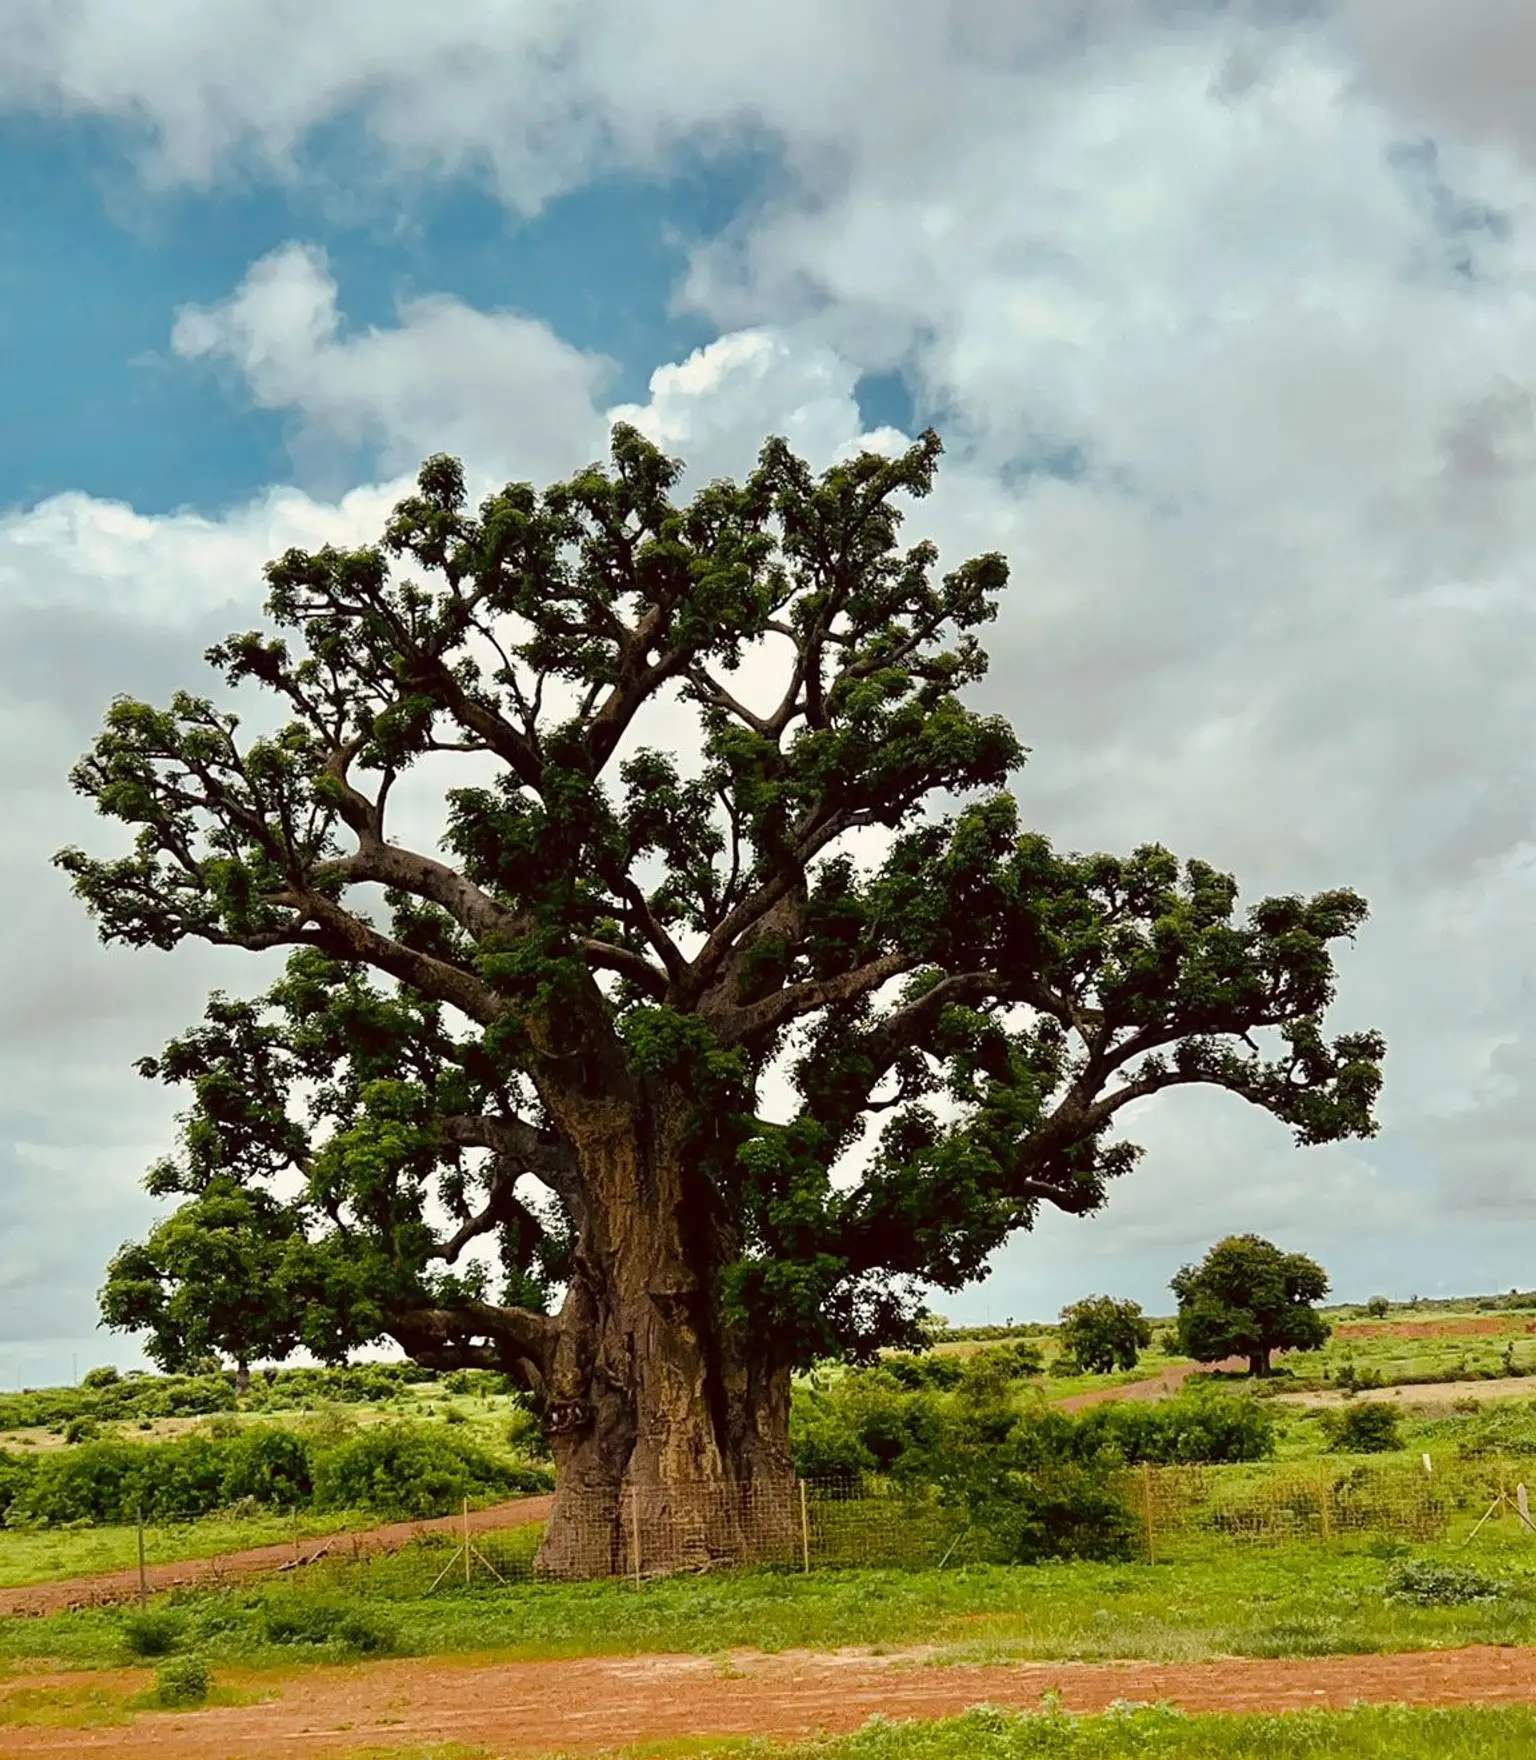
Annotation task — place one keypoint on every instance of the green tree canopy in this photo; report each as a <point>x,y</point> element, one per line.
<point>1246,1298</point>
<point>508,1094</point>
<point>1101,1334</point>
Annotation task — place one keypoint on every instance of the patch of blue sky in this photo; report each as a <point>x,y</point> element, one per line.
<point>93,268</point>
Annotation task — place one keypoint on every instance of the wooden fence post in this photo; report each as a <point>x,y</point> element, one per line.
<point>143,1578</point>
<point>1146,1504</point>
<point>805,1531</point>
<point>1325,1503</point>
<point>634,1529</point>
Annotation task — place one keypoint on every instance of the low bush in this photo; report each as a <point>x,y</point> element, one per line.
<point>181,1682</point>
<point>270,1466</point>
<point>1065,1512</point>
<point>411,1470</point>
<point>112,1397</point>
<point>1371,1428</point>
<point>396,1469</point>
<point>918,1373</point>
<point>300,1620</point>
<point>1206,1428</point>
<point>1425,1582</point>
<point>155,1631</point>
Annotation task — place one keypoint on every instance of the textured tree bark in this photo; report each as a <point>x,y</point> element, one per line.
<point>671,1441</point>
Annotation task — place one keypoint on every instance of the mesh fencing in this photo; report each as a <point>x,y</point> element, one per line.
<point>1162,1513</point>
<point>1155,1513</point>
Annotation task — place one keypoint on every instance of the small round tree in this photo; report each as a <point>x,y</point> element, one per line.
<point>1100,1334</point>
<point>208,1279</point>
<point>1248,1299</point>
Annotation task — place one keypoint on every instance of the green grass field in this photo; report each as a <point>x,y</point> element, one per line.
<point>1153,1733</point>
<point>1299,1601</point>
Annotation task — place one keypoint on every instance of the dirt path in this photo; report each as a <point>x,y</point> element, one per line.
<point>113,1586</point>
<point>1424,1395</point>
<point>1156,1387</point>
<point>515,1709</point>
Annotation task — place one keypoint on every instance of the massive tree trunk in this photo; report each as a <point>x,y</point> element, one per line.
<point>670,1434</point>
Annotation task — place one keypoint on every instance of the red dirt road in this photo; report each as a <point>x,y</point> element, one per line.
<point>1155,1387</point>
<point>518,1709</point>
<point>100,1591</point>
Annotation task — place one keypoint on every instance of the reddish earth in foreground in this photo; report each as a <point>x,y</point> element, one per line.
<point>114,1586</point>
<point>527,1708</point>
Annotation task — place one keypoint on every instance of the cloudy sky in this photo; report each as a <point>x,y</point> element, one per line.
<point>1225,311</point>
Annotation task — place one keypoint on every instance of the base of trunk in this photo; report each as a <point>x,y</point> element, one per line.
<point>645,1531</point>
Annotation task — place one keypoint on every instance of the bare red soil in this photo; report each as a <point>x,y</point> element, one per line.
<point>518,1709</point>
<point>1473,1326</point>
<point>100,1591</point>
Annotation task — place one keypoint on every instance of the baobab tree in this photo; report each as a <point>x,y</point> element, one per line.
<point>515,1111</point>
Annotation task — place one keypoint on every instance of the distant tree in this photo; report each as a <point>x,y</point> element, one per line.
<point>1378,1307</point>
<point>1248,1299</point>
<point>515,1079</point>
<point>1101,1334</point>
<point>207,1281</point>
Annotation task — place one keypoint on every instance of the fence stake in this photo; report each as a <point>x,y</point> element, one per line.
<point>805,1530</point>
<point>467,1559</point>
<point>143,1579</point>
<point>1325,1504</point>
<point>634,1529</point>
<point>1146,1498</point>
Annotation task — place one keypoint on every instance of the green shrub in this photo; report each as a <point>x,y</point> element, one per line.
<point>154,1631</point>
<point>1191,1428</point>
<point>302,1620</point>
<point>1019,1358</point>
<point>1378,1307</point>
<point>412,1470</point>
<point>81,1429</point>
<point>1065,1512</point>
<point>824,1440</point>
<point>269,1465</point>
<point>16,1472</point>
<point>393,1470</point>
<point>1426,1582</point>
<point>1372,1428</point>
<point>182,1681</point>
<point>915,1373</point>
<point>525,1433</point>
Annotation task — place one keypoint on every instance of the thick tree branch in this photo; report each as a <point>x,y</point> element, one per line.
<point>387,864</point>
<point>444,1338</point>
<point>346,937</point>
<point>606,956</point>
<point>549,1158</point>
<point>796,1000</point>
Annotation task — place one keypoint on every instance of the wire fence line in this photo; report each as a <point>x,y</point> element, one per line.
<point>1156,1513</point>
